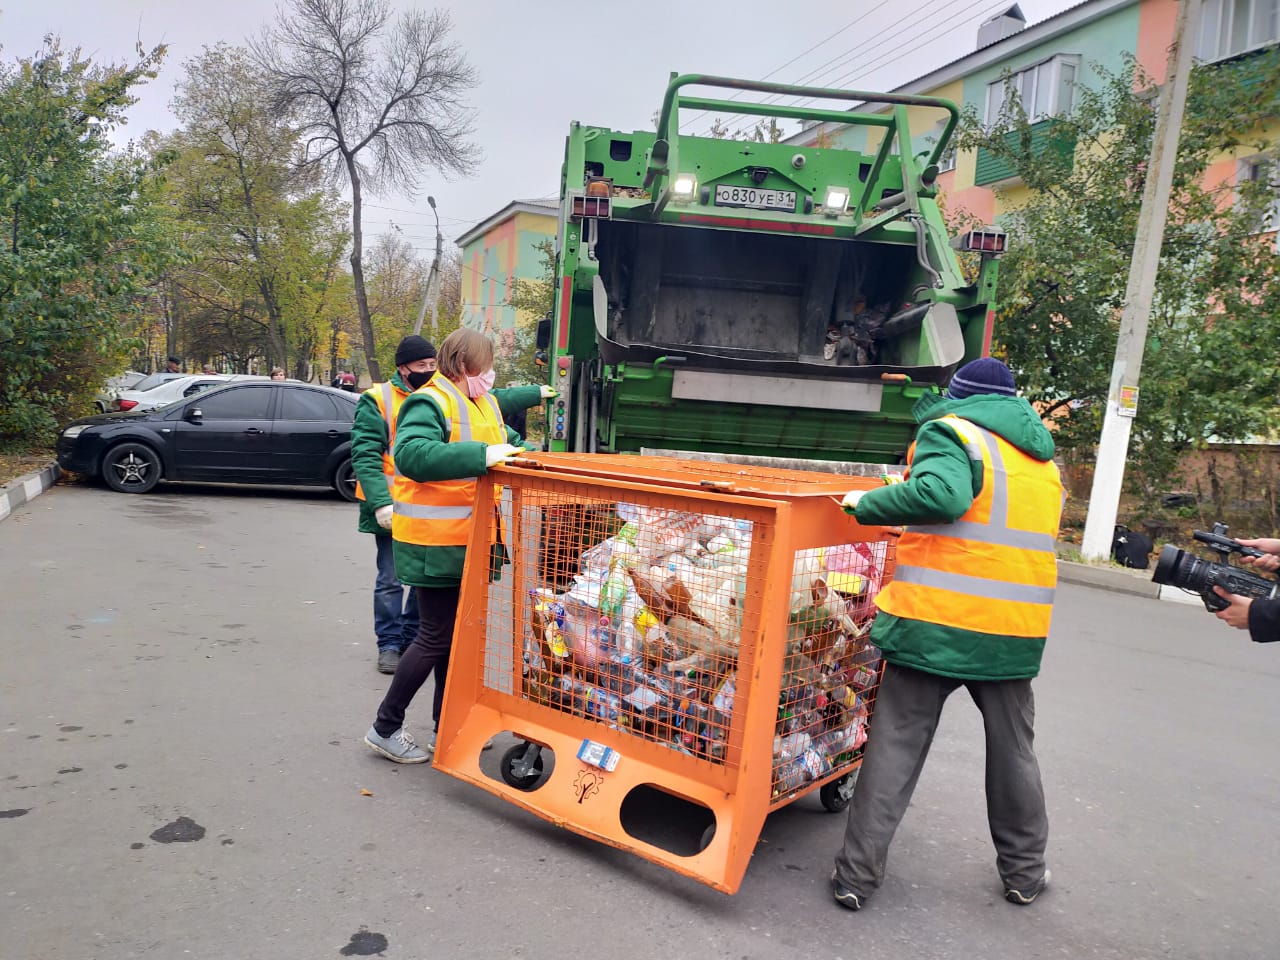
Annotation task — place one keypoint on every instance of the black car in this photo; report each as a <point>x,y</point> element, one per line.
<point>260,432</point>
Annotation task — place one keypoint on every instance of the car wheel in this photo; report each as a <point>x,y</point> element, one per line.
<point>344,480</point>
<point>131,468</point>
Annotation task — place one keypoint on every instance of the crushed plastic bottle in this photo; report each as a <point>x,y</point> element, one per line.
<point>613,591</point>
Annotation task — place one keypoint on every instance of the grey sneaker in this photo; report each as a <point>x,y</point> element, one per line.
<point>1027,894</point>
<point>843,895</point>
<point>399,747</point>
<point>388,660</point>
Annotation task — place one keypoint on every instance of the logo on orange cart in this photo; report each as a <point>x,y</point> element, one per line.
<point>587,784</point>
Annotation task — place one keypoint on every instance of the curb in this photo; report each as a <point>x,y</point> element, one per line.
<point>1116,579</point>
<point>26,488</point>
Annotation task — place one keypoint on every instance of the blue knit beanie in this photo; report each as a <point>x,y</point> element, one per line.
<point>984,375</point>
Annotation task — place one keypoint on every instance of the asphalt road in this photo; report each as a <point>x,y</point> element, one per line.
<point>197,665</point>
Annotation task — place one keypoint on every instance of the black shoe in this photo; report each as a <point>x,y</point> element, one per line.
<point>1027,894</point>
<point>388,660</point>
<point>843,895</point>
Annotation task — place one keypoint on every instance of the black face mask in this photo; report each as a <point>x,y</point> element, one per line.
<point>415,379</point>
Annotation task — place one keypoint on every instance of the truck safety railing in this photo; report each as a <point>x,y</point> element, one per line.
<point>663,155</point>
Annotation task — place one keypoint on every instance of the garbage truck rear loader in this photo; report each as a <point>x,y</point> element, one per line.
<point>758,299</point>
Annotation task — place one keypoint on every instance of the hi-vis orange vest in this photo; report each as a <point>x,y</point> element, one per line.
<point>995,569</point>
<point>438,513</point>
<point>388,398</point>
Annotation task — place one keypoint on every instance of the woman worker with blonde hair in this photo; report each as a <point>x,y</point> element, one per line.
<point>449,432</point>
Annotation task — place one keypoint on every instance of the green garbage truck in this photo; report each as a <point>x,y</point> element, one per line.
<point>760,299</point>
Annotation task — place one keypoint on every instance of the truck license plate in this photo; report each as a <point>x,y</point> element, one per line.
<point>755,198</point>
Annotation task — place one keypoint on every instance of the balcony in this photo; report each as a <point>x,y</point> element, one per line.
<point>1048,137</point>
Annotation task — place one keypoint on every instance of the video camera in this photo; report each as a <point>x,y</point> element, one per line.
<point>1178,568</point>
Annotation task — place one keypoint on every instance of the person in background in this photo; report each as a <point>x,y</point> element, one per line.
<point>173,365</point>
<point>969,605</point>
<point>207,369</point>
<point>1260,617</point>
<point>448,433</point>
<point>277,373</point>
<point>373,434</point>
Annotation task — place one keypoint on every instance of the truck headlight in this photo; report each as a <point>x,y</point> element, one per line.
<point>836,201</point>
<point>684,186</point>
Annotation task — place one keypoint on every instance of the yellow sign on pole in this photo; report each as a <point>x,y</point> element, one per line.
<point>1128,405</point>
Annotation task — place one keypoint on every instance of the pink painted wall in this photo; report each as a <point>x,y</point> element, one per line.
<point>1155,33</point>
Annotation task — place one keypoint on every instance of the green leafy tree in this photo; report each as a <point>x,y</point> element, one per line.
<point>265,236</point>
<point>1217,297</point>
<point>81,239</point>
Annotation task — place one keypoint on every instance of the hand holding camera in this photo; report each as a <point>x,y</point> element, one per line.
<point>1227,590</point>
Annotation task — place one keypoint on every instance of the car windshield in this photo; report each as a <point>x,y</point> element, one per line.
<point>155,379</point>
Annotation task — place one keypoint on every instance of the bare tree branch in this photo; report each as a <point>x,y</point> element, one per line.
<point>376,102</point>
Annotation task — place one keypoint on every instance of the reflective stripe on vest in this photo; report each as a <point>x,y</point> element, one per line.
<point>438,513</point>
<point>388,399</point>
<point>1008,534</point>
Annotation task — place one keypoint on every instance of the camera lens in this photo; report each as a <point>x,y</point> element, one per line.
<point>1178,568</point>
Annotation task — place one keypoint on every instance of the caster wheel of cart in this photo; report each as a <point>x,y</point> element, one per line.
<point>526,780</point>
<point>835,796</point>
<point>708,835</point>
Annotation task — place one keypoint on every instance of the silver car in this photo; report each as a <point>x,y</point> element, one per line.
<point>128,380</point>
<point>173,390</point>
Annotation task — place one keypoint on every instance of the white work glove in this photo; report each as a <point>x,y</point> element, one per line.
<point>547,392</point>
<point>383,516</point>
<point>851,500</point>
<point>496,453</point>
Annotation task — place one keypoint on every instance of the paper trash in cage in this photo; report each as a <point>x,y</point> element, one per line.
<point>598,755</point>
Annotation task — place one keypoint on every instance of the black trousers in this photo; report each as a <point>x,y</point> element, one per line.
<point>427,654</point>
<point>908,705</point>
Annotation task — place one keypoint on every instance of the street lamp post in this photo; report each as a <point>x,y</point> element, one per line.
<point>433,281</point>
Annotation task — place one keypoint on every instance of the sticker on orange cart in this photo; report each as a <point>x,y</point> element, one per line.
<point>598,755</point>
<point>587,783</point>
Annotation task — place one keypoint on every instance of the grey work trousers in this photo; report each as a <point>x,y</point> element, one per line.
<point>908,705</point>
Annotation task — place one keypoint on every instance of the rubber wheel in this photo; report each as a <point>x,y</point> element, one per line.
<point>344,481</point>
<point>529,780</point>
<point>131,468</point>
<point>708,835</point>
<point>835,796</point>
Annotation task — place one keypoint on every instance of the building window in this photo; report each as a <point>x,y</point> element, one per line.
<point>947,161</point>
<point>1265,170</point>
<point>1229,27</point>
<point>1045,90</point>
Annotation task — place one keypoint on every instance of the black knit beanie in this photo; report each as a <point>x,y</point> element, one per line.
<point>414,348</point>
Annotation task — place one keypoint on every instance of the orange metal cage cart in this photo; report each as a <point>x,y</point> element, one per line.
<point>679,647</point>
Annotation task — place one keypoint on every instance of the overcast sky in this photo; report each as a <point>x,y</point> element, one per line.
<point>543,63</point>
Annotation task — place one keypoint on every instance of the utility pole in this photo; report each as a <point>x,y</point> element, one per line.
<point>1122,396</point>
<point>433,282</point>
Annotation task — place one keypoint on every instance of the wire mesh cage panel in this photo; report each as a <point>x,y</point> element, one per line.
<point>697,629</point>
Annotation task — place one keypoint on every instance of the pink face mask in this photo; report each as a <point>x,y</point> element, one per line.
<point>479,386</point>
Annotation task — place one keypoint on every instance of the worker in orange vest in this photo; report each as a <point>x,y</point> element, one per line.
<point>449,433</point>
<point>395,615</point>
<point>969,604</point>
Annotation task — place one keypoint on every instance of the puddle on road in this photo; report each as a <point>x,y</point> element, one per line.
<point>182,830</point>
<point>365,944</point>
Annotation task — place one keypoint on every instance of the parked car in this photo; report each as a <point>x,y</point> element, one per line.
<point>124,381</point>
<point>166,393</point>
<point>242,432</point>
<point>155,379</point>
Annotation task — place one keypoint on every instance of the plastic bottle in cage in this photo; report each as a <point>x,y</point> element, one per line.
<point>790,775</point>
<point>791,746</point>
<point>613,592</point>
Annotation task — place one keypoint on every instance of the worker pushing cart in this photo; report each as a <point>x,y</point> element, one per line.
<point>691,628</point>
